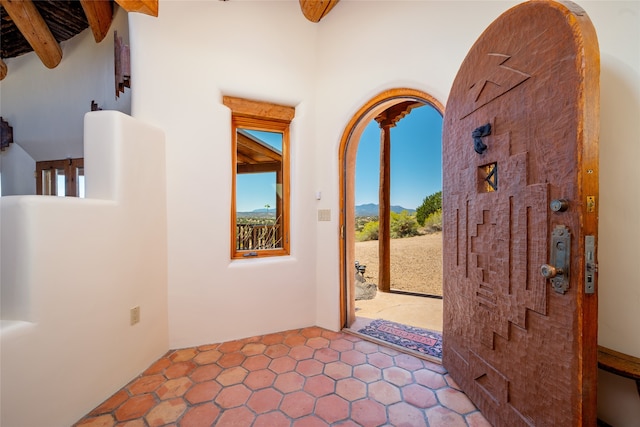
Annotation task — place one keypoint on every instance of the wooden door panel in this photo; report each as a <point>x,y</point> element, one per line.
<point>523,352</point>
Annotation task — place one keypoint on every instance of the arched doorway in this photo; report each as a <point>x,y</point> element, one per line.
<point>384,102</point>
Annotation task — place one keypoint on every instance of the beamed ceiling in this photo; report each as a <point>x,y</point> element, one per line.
<point>40,26</point>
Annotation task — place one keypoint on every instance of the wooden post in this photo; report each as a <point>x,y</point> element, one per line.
<point>384,208</point>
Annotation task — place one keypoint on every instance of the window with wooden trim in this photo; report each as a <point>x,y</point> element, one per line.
<point>260,184</point>
<point>60,177</point>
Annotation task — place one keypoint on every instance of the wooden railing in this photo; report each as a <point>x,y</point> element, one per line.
<point>255,237</point>
<point>619,364</point>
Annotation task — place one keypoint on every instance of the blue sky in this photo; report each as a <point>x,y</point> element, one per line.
<point>416,159</point>
<point>416,164</point>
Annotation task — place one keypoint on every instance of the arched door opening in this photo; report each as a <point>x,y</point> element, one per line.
<point>386,110</point>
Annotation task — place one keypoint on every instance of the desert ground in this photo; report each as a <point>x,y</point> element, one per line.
<point>416,263</point>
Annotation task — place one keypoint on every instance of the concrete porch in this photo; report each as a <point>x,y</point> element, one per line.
<point>422,312</point>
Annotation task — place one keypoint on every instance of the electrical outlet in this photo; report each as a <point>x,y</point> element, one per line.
<point>135,315</point>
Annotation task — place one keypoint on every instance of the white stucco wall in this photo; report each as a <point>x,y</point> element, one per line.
<point>71,271</point>
<point>16,171</point>
<point>191,55</point>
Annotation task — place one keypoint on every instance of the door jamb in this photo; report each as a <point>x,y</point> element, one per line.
<point>347,159</point>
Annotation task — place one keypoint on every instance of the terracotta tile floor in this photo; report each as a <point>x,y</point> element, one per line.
<point>305,377</point>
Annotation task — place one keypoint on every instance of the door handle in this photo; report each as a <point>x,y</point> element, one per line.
<point>557,271</point>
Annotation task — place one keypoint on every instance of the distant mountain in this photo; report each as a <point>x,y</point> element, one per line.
<point>257,213</point>
<point>371,209</point>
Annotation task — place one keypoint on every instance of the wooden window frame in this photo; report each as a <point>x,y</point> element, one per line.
<point>69,166</point>
<point>261,116</point>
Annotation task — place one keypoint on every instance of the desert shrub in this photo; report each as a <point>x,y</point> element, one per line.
<point>430,204</point>
<point>433,222</point>
<point>403,225</point>
<point>369,231</point>
<point>361,221</point>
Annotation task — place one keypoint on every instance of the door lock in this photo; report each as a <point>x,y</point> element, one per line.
<point>557,271</point>
<point>559,205</point>
<point>549,271</point>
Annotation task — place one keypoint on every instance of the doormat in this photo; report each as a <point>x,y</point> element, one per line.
<point>416,339</point>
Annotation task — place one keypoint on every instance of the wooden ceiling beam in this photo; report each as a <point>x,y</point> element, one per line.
<point>3,70</point>
<point>99,14</point>
<point>315,10</point>
<point>260,167</point>
<point>148,7</point>
<point>393,115</point>
<point>32,26</point>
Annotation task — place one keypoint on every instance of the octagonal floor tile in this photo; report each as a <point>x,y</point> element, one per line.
<point>235,395</point>
<point>403,414</point>
<point>309,367</point>
<point>180,369</point>
<point>310,421</point>
<point>232,376</point>
<point>307,377</point>
<point>272,419</point>
<point>183,355</point>
<point>368,412</point>
<point>397,376</point>
<point>207,357</point>
<point>282,364</point>
<point>419,396</point>
<point>338,370</point>
<point>297,404</point>
<point>201,415</point>
<point>146,384</point>
<point>367,373</point>
<point>260,379</point>
<point>351,389</point>
<point>240,416</point>
<point>253,363</point>
<point>289,381</point>
<point>384,392</point>
<point>166,412</point>
<point>319,385</point>
<point>265,400</point>
<point>353,357</point>
<point>135,407</point>
<point>203,392</point>
<point>318,342</point>
<point>326,355</point>
<point>174,388</point>
<point>205,373</point>
<point>332,408</point>
<point>229,360</point>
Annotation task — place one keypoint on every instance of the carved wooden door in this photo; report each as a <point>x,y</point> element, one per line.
<point>520,161</point>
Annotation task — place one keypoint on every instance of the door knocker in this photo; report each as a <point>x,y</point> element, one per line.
<point>479,133</point>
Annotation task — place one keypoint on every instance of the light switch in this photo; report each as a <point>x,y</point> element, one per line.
<point>324,214</point>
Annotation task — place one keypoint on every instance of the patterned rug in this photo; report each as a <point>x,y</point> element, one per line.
<point>421,340</point>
